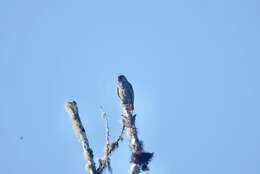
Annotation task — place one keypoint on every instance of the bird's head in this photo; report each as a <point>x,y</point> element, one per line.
<point>121,78</point>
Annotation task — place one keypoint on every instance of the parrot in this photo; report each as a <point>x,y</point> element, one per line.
<point>125,92</point>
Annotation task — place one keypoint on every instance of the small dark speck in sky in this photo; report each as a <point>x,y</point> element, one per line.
<point>21,137</point>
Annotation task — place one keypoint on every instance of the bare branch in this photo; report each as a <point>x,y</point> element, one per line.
<point>105,161</point>
<point>109,147</point>
<point>139,159</point>
<point>72,109</point>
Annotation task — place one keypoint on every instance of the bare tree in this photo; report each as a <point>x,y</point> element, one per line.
<point>139,158</point>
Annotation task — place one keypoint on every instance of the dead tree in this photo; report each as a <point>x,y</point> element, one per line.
<point>139,158</point>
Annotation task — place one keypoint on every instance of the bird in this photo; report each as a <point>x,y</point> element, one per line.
<point>125,92</point>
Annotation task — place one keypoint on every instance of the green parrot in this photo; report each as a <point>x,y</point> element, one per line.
<point>125,92</point>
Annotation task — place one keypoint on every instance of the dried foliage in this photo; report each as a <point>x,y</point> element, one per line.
<point>142,159</point>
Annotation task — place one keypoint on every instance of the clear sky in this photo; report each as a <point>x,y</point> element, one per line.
<point>194,65</point>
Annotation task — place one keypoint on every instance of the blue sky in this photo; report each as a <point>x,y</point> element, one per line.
<point>194,66</point>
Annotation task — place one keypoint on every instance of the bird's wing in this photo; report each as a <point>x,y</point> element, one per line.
<point>129,92</point>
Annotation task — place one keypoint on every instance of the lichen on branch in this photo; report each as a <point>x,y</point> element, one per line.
<point>72,109</point>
